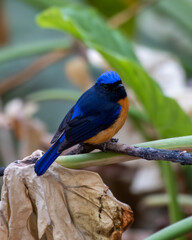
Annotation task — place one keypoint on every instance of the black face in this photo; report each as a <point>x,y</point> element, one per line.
<point>112,86</point>
<point>113,91</point>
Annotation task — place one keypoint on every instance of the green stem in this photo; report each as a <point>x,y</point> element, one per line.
<point>171,188</point>
<point>28,49</point>
<point>90,159</point>
<point>101,158</point>
<point>173,231</point>
<point>170,143</point>
<point>175,213</point>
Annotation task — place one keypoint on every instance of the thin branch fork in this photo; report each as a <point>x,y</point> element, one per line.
<point>176,156</point>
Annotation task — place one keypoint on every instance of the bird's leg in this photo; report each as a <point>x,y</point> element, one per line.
<point>86,148</point>
<point>104,145</point>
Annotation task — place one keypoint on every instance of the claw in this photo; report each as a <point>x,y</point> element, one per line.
<point>114,140</point>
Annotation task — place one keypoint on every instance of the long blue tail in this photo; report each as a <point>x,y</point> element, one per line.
<point>47,159</point>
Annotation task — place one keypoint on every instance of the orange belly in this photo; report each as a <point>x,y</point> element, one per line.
<point>108,133</point>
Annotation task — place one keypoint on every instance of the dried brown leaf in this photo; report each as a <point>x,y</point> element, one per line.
<point>62,204</point>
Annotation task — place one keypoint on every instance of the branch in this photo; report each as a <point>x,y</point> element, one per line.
<point>182,157</point>
<point>121,152</point>
<point>34,68</point>
<point>3,24</point>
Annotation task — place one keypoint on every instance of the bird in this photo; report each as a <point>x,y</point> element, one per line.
<point>96,117</point>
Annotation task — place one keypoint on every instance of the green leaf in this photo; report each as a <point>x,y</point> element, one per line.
<point>94,33</point>
<point>88,26</point>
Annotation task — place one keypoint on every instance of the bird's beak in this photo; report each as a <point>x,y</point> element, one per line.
<point>120,85</point>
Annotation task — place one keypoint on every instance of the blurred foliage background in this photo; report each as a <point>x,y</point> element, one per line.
<point>43,71</point>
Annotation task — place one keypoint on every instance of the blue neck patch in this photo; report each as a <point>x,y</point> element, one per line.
<point>109,77</point>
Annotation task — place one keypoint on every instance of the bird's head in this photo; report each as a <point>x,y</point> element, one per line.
<point>109,84</point>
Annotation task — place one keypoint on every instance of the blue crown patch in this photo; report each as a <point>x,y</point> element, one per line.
<point>109,77</point>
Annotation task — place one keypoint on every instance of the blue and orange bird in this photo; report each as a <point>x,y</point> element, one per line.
<point>96,117</point>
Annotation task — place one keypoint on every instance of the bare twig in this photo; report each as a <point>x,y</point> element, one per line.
<point>182,157</point>
<point>124,16</point>
<point>3,30</point>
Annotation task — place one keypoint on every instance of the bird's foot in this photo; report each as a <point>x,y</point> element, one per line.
<point>114,140</point>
